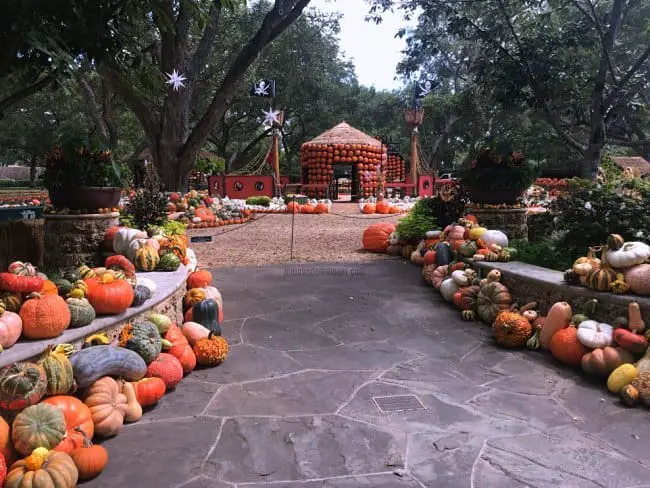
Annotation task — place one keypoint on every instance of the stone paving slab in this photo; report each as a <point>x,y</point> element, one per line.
<point>295,404</point>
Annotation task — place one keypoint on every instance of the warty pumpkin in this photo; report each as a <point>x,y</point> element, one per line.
<point>109,298</point>
<point>21,384</point>
<point>78,418</point>
<point>511,329</point>
<point>57,471</point>
<point>211,351</point>
<point>167,368</point>
<point>44,316</point>
<point>58,369</point>
<point>375,237</point>
<point>107,405</point>
<point>195,295</point>
<point>40,425</point>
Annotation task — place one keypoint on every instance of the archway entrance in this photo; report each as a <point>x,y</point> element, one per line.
<point>344,183</point>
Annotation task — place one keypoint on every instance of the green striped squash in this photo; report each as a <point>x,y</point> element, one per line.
<point>146,259</point>
<point>600,279</point>
<point>58,370</point>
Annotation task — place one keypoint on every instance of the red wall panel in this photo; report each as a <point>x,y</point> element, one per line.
<point>425,185</point>
<point>243,187</point>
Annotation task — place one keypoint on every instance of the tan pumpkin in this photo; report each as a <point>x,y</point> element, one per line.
<point>56,470</point>
<point>638,278</point>
<point>107,405</point>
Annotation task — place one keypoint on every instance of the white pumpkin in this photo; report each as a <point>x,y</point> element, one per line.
<point>393,238</point>
<point>433,234</point>
<point>495,237</point>
<point>631,254</point>
<point>193,262</point>
<point>147,283</point>
<point>594,334</point>
<point>123,238</point>
<point>460,278</point>
<point>448,288</point>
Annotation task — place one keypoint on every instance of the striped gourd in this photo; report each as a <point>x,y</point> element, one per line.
<point>58,369</point>
<point>491,257</point>
<point>119,274</point>
<point>600,279</point>
<point>85,272</point>
<point>12,301</point>
<point>146,258</point>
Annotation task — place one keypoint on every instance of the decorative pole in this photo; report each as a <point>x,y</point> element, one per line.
<point>414,117</point>
<point>275,150</point>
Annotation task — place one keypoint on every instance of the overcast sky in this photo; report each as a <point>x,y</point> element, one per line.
<point>373,48</point>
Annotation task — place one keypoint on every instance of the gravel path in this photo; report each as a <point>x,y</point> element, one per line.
<point>267,239</point>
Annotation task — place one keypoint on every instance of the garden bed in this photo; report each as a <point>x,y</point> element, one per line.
<point>167,300</point>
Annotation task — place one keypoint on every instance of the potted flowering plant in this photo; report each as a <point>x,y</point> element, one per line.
<point>80,176</point>
<point>497,175</point>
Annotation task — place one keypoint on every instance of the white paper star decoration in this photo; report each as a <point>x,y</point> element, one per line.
<point>176,80</point>
<point>271,117</point>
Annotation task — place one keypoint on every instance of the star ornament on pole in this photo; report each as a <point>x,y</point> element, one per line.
<point>175,79</point>
<point>271,117</point>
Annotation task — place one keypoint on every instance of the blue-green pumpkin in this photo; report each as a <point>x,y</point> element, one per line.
<point>142,338</point>
<point>206,313</point>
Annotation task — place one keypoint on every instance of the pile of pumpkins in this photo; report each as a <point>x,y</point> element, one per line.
<point>36,307</point>
<point>622,267</point>
<point>55,406</point>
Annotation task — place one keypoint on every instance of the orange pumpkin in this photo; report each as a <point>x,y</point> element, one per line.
<point>6,444</point>
<point>199,279</point>
<point>109,298</point>
<point>369,208</point>
<point>44,316</point>
<point>78,420</point>
<point>393,210</point>
<point>308,208</point>
<point>322,208</point>
<point>49,288</point>
<point>383,207</point>
<point>375,237</point>
<point>566,347</point>
<point>195,295</point>
<point>293,207</point>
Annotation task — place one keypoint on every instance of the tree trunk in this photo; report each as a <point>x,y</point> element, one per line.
<point>32,170</point>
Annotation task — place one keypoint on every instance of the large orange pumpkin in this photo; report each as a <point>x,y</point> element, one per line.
<point>293,207</point>
<point>322,208</point>
<point>109,298</point>
<point>383,207</point>
<point>566,347</point>
<point>307,208</point>
<point>44,316</point>
<point>369,208</point>
<point>375,237</point>
<point>77,419</point>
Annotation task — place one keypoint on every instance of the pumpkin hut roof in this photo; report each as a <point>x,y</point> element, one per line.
<point>344,133</point>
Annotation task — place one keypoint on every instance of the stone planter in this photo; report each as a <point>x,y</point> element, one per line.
<point>512,221</point>
<point>90,197</point>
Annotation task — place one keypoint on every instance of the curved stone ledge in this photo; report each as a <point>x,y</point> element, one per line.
<point>168,300</point>
<point>528,283</point>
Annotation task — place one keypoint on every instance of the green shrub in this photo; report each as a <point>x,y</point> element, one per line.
<point>19,183</point>
<point>590,212</point>
<point>545,253</point>
<point>263,201</point>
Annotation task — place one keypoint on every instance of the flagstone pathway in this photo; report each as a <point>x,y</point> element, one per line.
<point>358,375</point>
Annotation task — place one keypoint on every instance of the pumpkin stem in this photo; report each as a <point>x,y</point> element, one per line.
<point>87,441</point>
<point>528,306</point>
<point>533,342</point>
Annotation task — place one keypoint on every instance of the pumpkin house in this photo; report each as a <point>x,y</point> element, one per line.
<point>343,151</point>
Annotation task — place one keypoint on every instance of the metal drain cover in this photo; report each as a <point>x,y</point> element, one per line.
<point>398,403</point>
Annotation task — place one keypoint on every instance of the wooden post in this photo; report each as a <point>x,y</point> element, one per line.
<point>414,117</point>
<point>275,148</point>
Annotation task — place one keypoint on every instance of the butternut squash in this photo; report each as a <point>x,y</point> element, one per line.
<point>133,409</point>
<point>558,318</point>
<point>635,322</point>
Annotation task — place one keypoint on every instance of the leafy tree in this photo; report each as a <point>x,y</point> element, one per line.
<point>579,66</point>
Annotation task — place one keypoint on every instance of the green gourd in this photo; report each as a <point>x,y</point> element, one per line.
<point>206,313</point>
<point>95,362</point>
<point>81,312</point>
<point>142,338</point>
<point>169,262</point>
<point>63,286</point>
<point>140,295</point>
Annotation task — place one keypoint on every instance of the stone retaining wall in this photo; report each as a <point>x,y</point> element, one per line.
<point>72,240</point>
<point>529,283</point>
<point>512,221</point>
<point>21,240</point>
